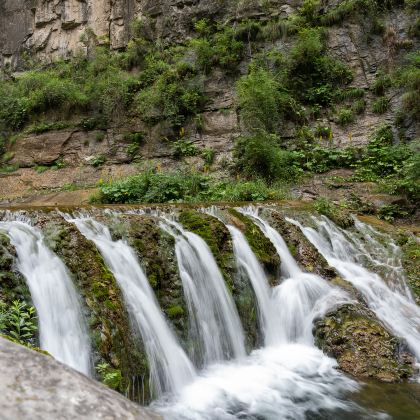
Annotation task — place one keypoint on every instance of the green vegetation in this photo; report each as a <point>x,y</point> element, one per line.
<point>151,186</point>
<point>411,257</point>
<point>163,84</point>
<point>110,377</point>
<point>18,322</point>
<point>345,116</point>
<point>260,156</point>
<point>327,208</point>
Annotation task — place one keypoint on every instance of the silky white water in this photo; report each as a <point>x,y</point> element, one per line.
<point>392,303</point>
<point>62,327</point>
<point>170,367</point>
<point>249,265</point>
<point>300,297</point>
<point>288,378</point>
<point>214,319</point>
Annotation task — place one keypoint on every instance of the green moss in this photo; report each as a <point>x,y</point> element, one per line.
<point>112,340</point>
<point>12,284</point>
<point>175,311</point>
<point>217,237</point>
<point>411,263</point>
<point>361,344</point>
<point>156,253</point>
<point>260,245</point>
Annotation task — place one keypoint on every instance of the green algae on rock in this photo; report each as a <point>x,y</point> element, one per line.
<point>259,243</point>
<point>217,237</point>
<point>362,346</point>
<point>108,319</point>
<point>410,247</point>
<point>156,253</point>
<point>12,283</point>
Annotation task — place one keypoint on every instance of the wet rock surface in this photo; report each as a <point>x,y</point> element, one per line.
<point>35,386</point>
<point>362,346</point>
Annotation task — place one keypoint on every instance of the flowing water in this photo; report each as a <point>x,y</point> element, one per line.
<point>209,303</point>
<point>350,254</point>
<point>62,327</point>
<point>249,265</point>
<point>170,368</point>
<point>286,379</point>
<point>301,297</point>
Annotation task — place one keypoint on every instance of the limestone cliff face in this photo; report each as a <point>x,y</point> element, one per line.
<point>52,29</point>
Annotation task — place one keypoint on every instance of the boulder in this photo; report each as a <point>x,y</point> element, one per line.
<point>35,386</point>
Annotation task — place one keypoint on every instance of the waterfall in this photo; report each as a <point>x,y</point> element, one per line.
<point>249,265</point>
<point>288,377</point>
<point>170,368</point>
<point>214,318</point>
<point>393,305</point>
<point>62,327</point>
<point>301,297</point>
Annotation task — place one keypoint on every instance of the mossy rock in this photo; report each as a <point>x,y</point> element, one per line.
<point>260,245</point>
<point>12,284</point>
<point>362,346</point>
<point>410,247</point>
<point>306,255</point>
<point>156,252</point>
<point>112,339</point>
<point>217,237</point>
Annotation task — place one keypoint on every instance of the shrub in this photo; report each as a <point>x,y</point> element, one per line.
<point>259,156</point>
<point>208,155</point>
<point>183,148</point>
<point>315,76</point>
<point>345,116</point>
<point>258,94</point>
<point>170,97</point>
<point>154,187</point>
<point>408,77</point>
<point>264,102</point>
<point>381,158</point>
<point>381,84</point>
<point>358,106</point>
<point>381,105</point>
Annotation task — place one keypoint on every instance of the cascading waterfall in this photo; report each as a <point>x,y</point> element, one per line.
<point>301,297</point>
<point>249,265</point>
<point>170,368</point>
<point>214,318</point>
<point>62,327</point>
<point>289,377</point>
<point>393,305</point>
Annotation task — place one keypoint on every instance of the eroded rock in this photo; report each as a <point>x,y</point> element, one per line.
<point>362,346</point>
<point>35,386</point>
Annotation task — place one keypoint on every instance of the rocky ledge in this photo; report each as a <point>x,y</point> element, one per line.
<point>35,386</point>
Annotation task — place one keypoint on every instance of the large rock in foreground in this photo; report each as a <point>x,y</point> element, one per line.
<point>35,386</point>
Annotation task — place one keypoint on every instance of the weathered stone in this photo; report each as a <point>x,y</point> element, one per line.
<point>35,386</point>
<point>362,346</point>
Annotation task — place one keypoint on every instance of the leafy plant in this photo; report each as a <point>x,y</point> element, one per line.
<point>110,377</point>
<point>208,156</point>
<point>391,211</point>
<point>97,161</point>
<point>184,148</point>
<point>18,321</point>
<point>260,156</point>
<point>345,116</point>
